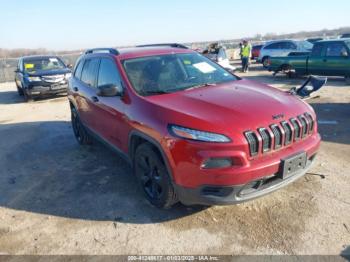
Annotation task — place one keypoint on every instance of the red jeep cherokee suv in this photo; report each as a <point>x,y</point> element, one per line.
<point>192,131</point>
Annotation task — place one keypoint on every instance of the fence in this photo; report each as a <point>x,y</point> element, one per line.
<point>9,65</point>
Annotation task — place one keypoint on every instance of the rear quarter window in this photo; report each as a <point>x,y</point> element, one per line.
<point>89,73</point>
<point>79,69</point>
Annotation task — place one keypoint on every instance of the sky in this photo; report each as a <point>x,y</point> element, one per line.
<point>79,24</point>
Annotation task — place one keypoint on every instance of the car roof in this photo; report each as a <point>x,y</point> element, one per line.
<point>136,52</point>
<point>334,40</point>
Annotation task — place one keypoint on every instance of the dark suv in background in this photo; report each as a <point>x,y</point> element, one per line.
<point>38,75</point>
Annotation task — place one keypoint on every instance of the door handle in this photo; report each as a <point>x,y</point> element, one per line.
<point>94,99</point>
<point>75,89</point>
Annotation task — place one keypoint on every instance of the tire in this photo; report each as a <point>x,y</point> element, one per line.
<point>153,177</point>
<point>265,61</point>
<point>27,97</point>
<point>287,69</point>
<point>79,130</point>
<point>19,90</point>
<point>347,80</point>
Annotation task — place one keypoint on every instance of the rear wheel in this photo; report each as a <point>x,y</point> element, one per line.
<point>153,177</point>
<point>266,61</point>
<point>287,69</point>
<point>79,130</point>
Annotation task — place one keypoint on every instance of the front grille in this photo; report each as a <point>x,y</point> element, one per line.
<point>278,135</point>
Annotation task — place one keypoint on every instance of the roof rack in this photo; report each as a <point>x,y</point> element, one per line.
<point>102,50</point>
<point>175,45</point>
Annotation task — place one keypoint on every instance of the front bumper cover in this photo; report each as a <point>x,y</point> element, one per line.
<point>228,195</point>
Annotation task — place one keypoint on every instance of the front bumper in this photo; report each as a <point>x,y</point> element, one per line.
<point>47,89</point>
<point>228,195</point>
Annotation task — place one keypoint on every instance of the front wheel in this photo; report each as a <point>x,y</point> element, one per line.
<point>79,130</point>
<point>153,177</point>
<point>27,96</point>
<point>19,90</point>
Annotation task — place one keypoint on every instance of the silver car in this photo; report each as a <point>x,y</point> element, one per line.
<point>282,48</point>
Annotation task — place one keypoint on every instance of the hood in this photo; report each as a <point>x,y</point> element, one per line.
<point>240,105</point>
<point>49,72</point>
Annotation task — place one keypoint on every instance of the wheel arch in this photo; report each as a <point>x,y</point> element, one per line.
<point>137,138</point>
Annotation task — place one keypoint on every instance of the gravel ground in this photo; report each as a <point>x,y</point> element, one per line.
<point>59,198</point>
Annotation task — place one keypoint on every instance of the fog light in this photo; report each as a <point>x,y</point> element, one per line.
<point>212,163</point>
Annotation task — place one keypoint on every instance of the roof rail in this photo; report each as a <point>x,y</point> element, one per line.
<point>102,50</point>
<point>175,45</point>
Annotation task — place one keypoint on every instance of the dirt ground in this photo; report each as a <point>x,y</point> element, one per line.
<point>59,198</point>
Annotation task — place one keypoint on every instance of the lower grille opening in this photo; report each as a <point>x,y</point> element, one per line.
<point>217,191</point>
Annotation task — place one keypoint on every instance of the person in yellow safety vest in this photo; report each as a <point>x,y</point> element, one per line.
<point>246,53</point>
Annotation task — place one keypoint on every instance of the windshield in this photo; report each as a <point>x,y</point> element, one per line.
<point>32,65</point>
<point>175,72</point>
<point>305,45</point>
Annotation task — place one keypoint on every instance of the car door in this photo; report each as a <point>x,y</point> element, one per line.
<point>315,64</point>
<point>109,111</point>
<point>336,59</point>
<point>86,89</point>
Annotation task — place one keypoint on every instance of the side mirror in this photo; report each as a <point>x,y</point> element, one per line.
<point>70,66</point>
<point>109,90</point>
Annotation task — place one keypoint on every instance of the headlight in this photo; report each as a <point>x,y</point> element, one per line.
<point>34,78</point>
<point>68,75</point>
<point>197,135</point>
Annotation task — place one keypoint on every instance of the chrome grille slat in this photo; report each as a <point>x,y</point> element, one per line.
<point>311,122</point>
<point>266,139</point>
<point>288,132</point>
<point>278,135</point>
<point>253,142</point>
<point>296,127</point>
<point>304,126</point>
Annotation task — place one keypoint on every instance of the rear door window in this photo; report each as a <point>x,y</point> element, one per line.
<point>336,49</point>
<point>89,73</point>
<point>273,46</point>
<point>288,45</point>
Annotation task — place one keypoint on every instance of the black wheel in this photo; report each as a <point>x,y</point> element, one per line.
<point>27,97</point>
<point>347,80</point>
<point>79,130</point>
<point>19,90</point>
<point>153,177</point>
<point>266,61</point>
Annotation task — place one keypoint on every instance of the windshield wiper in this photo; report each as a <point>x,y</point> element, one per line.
<point>155,92</point>
<point>201,85</point>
